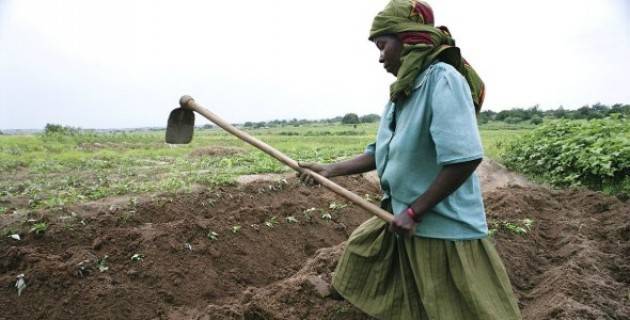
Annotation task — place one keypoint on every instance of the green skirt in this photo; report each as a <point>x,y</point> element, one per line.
<point>395,277</point>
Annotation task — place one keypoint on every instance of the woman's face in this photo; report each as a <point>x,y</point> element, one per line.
<point>390,48</point>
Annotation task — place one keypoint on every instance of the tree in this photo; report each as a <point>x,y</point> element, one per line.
<point>482,118</point>
<point>536,119</point>
<point>368,118</point>
<point>513,120</point>
<point>59,129</point>
<point>350,118</point>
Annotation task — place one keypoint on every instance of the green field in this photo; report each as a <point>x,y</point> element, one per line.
<point>51,171</point>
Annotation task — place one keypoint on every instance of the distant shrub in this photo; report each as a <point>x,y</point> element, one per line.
<point>350,118</point>
<point>513,120</point>
<point>536,120</point>
<point>593,153</point>
<point>60,130</point>
<point>369,118</point>
<point>288,133</point>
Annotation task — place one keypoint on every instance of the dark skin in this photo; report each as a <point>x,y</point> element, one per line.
<point>447,181</point>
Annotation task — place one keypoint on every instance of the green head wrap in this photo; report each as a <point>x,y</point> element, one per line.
<point>423,43</point>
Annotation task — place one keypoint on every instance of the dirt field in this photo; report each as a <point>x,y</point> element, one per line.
<point>259,251</point>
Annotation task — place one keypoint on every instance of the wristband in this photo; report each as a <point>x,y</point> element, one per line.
<point>410,213</point>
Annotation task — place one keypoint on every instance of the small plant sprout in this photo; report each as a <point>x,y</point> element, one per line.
<point>83,269</point>
<point>271,222</point>
<point>326,216</point>
<point>101,264</point>
<point>3,210</point>
<point>310,210</point>
<point>492,232</point>
<point>137,257</point>
<point>336,206</point>
<point>236,229</point>
<point>20,284</point>
<point>39,228</point>
<point>514,228</point>
<point>291,219</point>
<point>213,235</point>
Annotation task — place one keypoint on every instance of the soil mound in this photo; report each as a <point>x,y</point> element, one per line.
<point>190,250</point>
<point>266,250</point>
<point>574,262</point>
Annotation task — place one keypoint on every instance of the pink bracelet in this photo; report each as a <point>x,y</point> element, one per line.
<point>411,214</point>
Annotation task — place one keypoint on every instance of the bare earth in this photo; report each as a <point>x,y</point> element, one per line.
<point>573,264</point>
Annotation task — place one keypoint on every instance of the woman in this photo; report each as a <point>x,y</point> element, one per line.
<point>434,261</point>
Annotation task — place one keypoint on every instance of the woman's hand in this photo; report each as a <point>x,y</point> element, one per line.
<point>323,170</point>
<point>402,224</point>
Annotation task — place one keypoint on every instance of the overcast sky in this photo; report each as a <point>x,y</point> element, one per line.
<point>125,63</point>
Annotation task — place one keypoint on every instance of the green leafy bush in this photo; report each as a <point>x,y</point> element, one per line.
<point>592,153</point>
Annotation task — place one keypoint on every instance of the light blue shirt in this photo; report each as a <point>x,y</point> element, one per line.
<point>434,127</point>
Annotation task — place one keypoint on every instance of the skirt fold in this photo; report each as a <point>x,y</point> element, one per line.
<point>393,277</point>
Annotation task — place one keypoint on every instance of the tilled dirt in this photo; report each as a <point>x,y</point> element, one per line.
<point>573,262</point>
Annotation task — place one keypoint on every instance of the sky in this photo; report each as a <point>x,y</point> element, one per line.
<point>125,63</point>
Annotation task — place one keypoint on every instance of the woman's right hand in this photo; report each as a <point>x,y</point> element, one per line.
<point>321,169</point>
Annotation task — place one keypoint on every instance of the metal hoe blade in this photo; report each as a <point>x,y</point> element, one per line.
<point>181,123</point>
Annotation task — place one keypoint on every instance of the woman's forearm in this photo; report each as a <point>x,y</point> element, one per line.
<point>447,181</point>
<point>362,163</point>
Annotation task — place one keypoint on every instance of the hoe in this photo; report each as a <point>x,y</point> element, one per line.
<point>181,124</point>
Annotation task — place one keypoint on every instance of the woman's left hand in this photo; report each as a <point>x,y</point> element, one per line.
<point>402,224</point>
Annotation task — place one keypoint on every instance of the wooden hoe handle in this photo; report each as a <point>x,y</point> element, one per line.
<point>189,103</point>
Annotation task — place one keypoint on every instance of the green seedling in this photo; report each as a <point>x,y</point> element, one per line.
<point>39,228</point>
<point>492,232</point>
<point>137,257</point>
<point>236,229</point>
<point>336,206</point>
<point>20,284</point>
<point>308,217</point>
<point>271,222</point>
<point>3,210</point>
<point>326,216</point>
<point>514,228</point>
<point>291,219</point>
<point>101,264</point>
<point>212,235</point>
<point>83,269</point>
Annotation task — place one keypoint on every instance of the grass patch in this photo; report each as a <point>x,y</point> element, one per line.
<point>53,171</point>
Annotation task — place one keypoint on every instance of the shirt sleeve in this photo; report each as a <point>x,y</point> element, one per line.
<point>370,148</point>
<point>453,123</point>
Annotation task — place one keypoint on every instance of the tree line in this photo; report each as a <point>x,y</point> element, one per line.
<point>535,115</point>
<point>348,118</point>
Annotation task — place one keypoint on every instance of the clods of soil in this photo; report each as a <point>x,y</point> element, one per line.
<point>266,250</point>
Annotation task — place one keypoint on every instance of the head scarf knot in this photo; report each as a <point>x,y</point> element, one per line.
<point>412,22</point>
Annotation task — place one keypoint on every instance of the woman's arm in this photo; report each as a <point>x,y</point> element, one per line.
<point>447,181</point>
<point>362,163</point>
